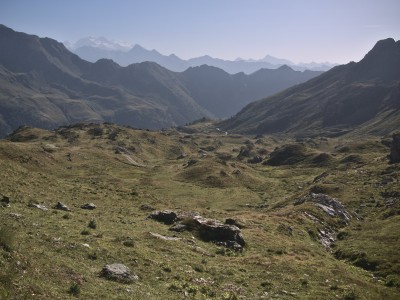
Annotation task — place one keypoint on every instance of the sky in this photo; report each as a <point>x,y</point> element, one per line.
<point>337,31</point>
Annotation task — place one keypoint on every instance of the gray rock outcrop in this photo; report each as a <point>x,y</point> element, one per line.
<point>332,206</point>
<point>118,272</point>
<point>217,232</point>
<point>209,230</point>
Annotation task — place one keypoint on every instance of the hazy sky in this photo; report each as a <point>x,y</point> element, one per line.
<point>299,30</point>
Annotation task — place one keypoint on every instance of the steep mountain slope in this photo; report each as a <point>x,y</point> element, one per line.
<point>224,94</point>
<point>363,97</point>
<point>43,84</point>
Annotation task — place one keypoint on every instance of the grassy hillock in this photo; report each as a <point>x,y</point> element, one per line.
<point>325,226</point>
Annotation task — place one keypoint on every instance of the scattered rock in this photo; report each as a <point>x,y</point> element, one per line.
<point>178,227</point>
<point>118,272</point>
<point>39,206</point>
<point>57,240</point>
<point>231,288</point>
<point>191,162</point>
<point>212,230</point>
<point>203,281</point>
<point>50,148</point>
<point>89,206</point>
<point>333,207</point>
<point>121,150</point>
<point>312,217</point>
<point>394,156</point>
<point>69,156</point>
<point>231,244</point>
<point>182,155</point>
<point>165,238</point>
<point>165,216</point>
<point>326,237</point>
<point>255,159</point>
<point>61,206</point>
<point>15,215</point>
<point>202,153</point>
<point>5,201</point>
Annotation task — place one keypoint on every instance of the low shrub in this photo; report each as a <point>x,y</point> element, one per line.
<point>75,290</point>
<point>92,224</point>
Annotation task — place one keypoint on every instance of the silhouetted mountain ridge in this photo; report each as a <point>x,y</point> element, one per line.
<point>93,51</point>
<point>362,97</point>
<point>43,84</point>
<point>60,88</point>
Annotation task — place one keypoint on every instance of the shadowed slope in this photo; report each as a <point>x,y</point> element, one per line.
<point>43,84</point>
<point>363,96</point>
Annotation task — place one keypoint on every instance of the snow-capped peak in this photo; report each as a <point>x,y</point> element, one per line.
<point>101,43</point>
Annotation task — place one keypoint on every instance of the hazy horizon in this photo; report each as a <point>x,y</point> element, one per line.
<point>300,31</point>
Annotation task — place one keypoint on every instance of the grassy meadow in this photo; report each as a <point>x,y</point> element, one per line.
<point>128,173</point>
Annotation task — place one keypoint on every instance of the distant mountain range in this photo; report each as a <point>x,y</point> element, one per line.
<point>43,84</point>
<point>93,49</point>
<point>224,94</point>
<point>361,98</point>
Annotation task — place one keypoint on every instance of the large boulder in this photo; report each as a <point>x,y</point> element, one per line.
<point>210,230</point>
<point>394,156</point>
<point>217,232</point>
<point>118,272</point>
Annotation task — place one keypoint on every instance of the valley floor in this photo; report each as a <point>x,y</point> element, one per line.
<point>320,217</point>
